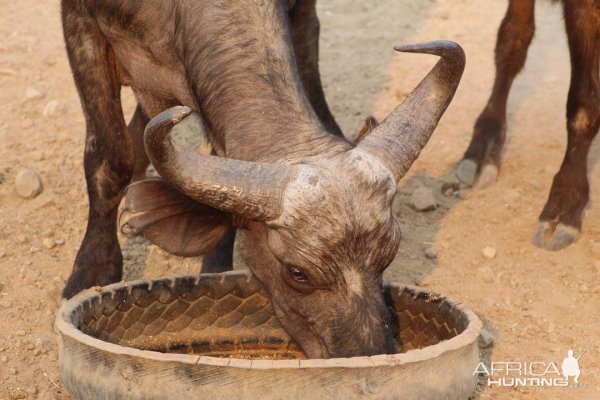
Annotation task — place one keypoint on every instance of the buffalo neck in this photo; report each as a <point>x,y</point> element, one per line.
<point>244,76</point>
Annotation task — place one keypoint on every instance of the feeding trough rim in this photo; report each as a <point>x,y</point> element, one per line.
<point>65,326</point>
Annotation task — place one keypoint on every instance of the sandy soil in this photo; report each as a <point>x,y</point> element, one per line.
<point>541,303</point>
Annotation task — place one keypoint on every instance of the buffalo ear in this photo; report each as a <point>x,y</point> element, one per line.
<point>369,125</point>
<point>172,221</point>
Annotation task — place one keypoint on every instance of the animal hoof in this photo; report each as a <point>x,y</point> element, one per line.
<point>467,172</point>
<point>551,237</point>
<point>563,237</point>
<point>488,176</point>
<point>541,234</point>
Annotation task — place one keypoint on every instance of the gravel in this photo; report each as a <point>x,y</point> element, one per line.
<point>28,184</point>
<point>448,188</point>
<point>48,243</point>
<point>33,93</point>
<point>423,199</point>
<point>485,274</point>
<point>430,253</point>
<point>5,304</point>
<point>489,252</point>
<point>487,336</point>
<point>53,109</point>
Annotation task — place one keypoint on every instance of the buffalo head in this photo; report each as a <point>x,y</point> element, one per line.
<point>317,234</point>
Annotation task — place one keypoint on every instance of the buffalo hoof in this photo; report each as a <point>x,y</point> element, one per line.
<point>82,279</point>
<point>488,176</point>
<point>554,236</point>
<point>467,172</point>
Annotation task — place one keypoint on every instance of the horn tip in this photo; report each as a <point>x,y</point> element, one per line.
<point>179,113</point>
<point>171,116</point>
<point>437,47</point>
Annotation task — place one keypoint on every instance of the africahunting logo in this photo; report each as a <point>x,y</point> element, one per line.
<point>533,373</point>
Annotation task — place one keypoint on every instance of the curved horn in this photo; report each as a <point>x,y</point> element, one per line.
<point>251,190</point>
<point>400,138</point>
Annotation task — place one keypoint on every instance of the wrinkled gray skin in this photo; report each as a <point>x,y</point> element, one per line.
<point>311,210</point>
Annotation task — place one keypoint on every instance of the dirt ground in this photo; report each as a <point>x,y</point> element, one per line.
<point>541,303</point>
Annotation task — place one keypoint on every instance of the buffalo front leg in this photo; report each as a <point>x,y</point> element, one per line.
<point>136,130</point>
<point>484,152</point>
<point>561,218</point>
<point>108,158</point>
<point>221,258</point>
<point>305,35</point>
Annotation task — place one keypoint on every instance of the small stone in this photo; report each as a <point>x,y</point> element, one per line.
<point>462,194</point>
<point>59,242</point>
<point>32,390</point>
<point>28,184</point>
<point>8,72</point>
<point>423,199</point>
<point>33,93</point>
<point>4,359</point>
<point>37,155</point>
<point>37,352</point>
<point>30,346</point>
<point>548,327</point>
<point>20,332</point>
<point>12,371</point>
<point>5,303</point>
<point>48,243</point>
<point>52,109</point>
<point>430,253</point>
<point>485,274</point>
<point>489,252</point>
<point>450,187</point>
<point>487,336</point>
<point>46,395</point>
<point>2,253</point>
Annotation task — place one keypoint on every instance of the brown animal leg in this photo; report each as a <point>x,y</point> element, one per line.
<point>108,159</point>
<point>484,152</point>
<point>560,220</point>
<point>136,130</point>
<point>305,35</point>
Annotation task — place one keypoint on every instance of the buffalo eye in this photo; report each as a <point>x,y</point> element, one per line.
<point>298,275</point>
